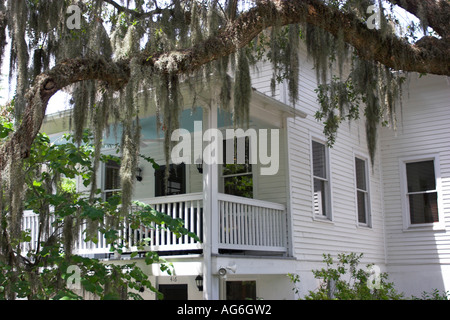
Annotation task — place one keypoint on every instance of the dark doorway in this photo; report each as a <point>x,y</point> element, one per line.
<point>241,290</point>
<point>174,291</point>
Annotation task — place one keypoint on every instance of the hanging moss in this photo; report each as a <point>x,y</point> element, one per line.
<point>128,159</point>
<point>14,186</point>
<point>17,10</point>
<point>368,86</point>
<point>293,62</point>
<point>3,24</point>
<point>242,90</point>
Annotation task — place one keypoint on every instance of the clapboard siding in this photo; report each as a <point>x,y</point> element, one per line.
<point>273,188</point>
<point>423,128</point>
<point>312,238</point>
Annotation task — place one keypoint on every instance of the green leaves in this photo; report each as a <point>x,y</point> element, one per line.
<point>343,280</point>
<point>51,172</point>
<point>338,102</point>
<point>146,216</point>
<point>5,127</point>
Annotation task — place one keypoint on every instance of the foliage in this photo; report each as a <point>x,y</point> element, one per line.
<point>150,41</point>
<point>45,271</point>
<point>343,280</point>
<point>149,50</point>
<point>435,294</point>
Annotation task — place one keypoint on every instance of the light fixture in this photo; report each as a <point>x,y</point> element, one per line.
<point>222,272</point>
<point>139,174</point>
<point>199,282</point>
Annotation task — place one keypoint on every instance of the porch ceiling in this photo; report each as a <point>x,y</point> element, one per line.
<point>263,108</point>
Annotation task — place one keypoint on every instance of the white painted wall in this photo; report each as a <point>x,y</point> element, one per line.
<point>423,128</point>
<point>314,237</point>
<point>416,260</point>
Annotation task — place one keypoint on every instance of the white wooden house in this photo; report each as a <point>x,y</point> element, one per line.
<point>320,200</point>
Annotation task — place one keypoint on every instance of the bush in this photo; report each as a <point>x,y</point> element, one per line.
<point>344,281</point>
<point>435,294</point>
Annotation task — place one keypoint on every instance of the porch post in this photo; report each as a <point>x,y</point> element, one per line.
<point>210,220</point>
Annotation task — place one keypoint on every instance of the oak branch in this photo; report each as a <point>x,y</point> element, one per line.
<point>429,55</point>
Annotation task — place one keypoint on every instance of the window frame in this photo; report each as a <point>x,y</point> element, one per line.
<point>368,206</point>
<point>104,190</point>
<point>161,170</point>
<point>250,173</point>
<point>406,214</point>
<point>328,200</point>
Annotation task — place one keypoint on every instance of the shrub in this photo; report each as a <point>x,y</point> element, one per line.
<point>435,294</point>
<point>343,280</point>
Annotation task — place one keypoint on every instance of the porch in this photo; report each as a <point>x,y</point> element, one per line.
<point>243,225</point>
<point>230,186</point>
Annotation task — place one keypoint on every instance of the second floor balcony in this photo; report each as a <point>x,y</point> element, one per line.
<point>241,225</point>
<point>233,206</point>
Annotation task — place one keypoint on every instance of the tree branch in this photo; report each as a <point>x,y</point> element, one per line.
<point>134,13</point>
<point>114,75</point>
<point>429,56</point>
<point>436,13</point>
<point>370,44</point>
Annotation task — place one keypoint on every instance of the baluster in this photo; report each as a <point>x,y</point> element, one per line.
<point>159,231</point>
<point>173,214</point>
<point>199,220</point>
<point>264,220</point>
<point>246,224</point>
<point>226,205</point>
<point>192,219</point>
<point>186,221</point>
<point>222,221</point>
<point>269,227</point>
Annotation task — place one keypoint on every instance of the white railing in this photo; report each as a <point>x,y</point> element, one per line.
<point>189,208</point>
<point>30,222</point>
<point>243,224</point>
<point>250,224</point>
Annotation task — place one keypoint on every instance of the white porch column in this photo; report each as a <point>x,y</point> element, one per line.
<point>210,219</point>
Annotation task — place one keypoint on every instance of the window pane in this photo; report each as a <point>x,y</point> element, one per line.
<point>320,207</point>
<point>420,176</point>
<point>112,176</point>
<point>241,186</point>
<point>239,159</point>
<point>176,181</point>
<point>362,206</point>
<point>360,166</point>
<point>319,160</point>
<point>423,208</point>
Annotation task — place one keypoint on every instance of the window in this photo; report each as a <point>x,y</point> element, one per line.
<point>321,180</point>
<point>422,195</point>
<point>237,171</point>
<point>176,184</point>
<point>111,184</point>
<point>362,191</point>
